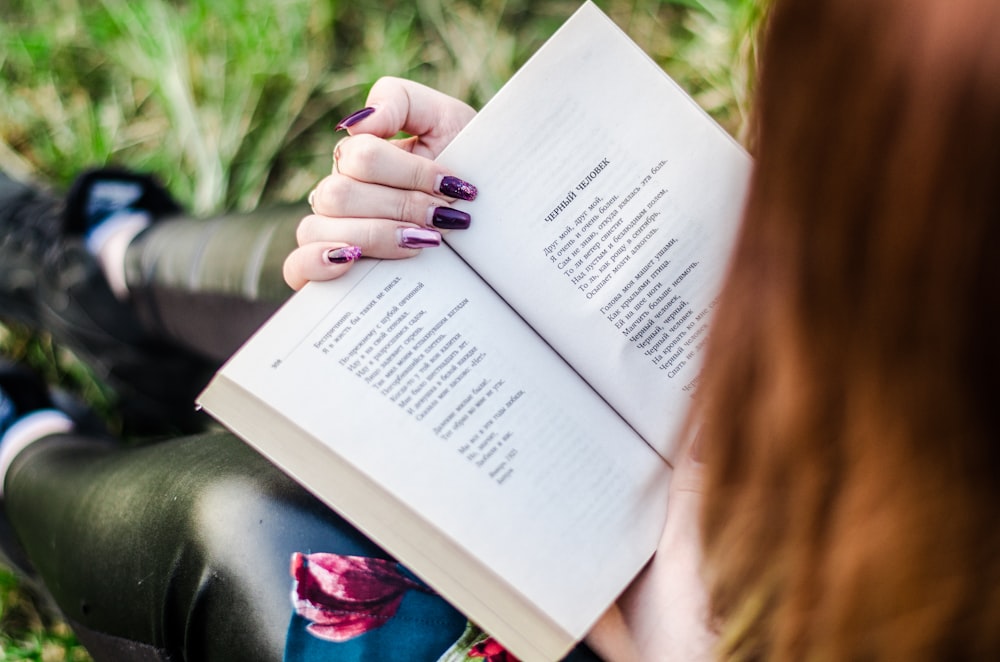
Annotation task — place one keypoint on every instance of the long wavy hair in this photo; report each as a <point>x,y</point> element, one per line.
<point>850,393</point>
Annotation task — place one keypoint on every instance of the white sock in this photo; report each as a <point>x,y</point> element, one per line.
<point>109,240</point>
<point>27,430</point>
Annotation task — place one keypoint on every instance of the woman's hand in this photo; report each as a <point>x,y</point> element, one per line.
<point>385,198</point>
<point>663,615</point>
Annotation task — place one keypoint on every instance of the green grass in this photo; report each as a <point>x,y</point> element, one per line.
<point>232,103</point>
<point>29,632</point>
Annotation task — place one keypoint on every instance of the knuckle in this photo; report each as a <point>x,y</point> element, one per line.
<point>419,178</point>
<point>404,208</point>
<point>335,193</point>
<point>320,193</point>
<point>362,156</point>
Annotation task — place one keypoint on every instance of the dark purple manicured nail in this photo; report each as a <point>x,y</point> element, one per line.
<point>417,238</point>
<point>447,218</point>
<point>454,187</point>
<point>342,255</point>
<point>354,118</point>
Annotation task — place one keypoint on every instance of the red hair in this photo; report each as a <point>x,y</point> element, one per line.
<point>850,419</point>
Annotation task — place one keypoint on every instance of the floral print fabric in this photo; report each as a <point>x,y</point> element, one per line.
<point>345,596</point>
<point>359,609</point>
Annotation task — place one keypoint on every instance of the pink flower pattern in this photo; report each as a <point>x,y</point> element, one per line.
<point>345,596</point>
<point>491,650</point>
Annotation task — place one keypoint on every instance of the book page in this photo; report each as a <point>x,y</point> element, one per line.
<point>608,203</point>
<point>423,380</point>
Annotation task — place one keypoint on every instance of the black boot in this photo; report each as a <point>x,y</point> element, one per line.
<point>50,283</point>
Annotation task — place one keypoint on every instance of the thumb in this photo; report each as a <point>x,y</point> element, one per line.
<point>688,477</point>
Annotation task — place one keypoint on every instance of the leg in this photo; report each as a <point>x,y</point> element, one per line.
<point>178,271</point>
<point>199,288</point>
<point>181,550</point>
<point>208,284</point>
<point>183,546</point>
<point>51,284</point>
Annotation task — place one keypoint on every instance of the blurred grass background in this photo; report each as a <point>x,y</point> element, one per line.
<point>231,103</point>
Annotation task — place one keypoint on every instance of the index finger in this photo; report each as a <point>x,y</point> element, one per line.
<point>368,159</point>
<point>397,104</point>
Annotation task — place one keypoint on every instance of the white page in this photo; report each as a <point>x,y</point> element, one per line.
<point>417,374</point>
<point>619,276</point>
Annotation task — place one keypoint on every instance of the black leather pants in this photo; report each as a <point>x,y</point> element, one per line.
<point>208,284</point>
<point>177,550</point>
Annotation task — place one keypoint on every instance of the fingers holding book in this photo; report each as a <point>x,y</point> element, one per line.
<point>366,158</point>
<point>384,198</point>
<point>374,179</point>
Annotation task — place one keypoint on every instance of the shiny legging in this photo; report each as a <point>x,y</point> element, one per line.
<point>208,284</point>
<point>180,549</point>
<point>177,550</point>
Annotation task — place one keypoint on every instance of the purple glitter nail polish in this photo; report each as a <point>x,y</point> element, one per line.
<point>417,238</point>
<point>447,218</point>
<point>354,118</point>
<point>343,255</point>
<point>456,188</point>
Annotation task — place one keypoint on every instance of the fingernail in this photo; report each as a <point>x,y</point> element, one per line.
<point>454,187</point>
<point>417,238</point>
<point>447,218</point>
<point>342,255</point>
<point>354,118</point>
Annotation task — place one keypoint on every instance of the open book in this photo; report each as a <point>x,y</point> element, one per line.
<point>501,413</point>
